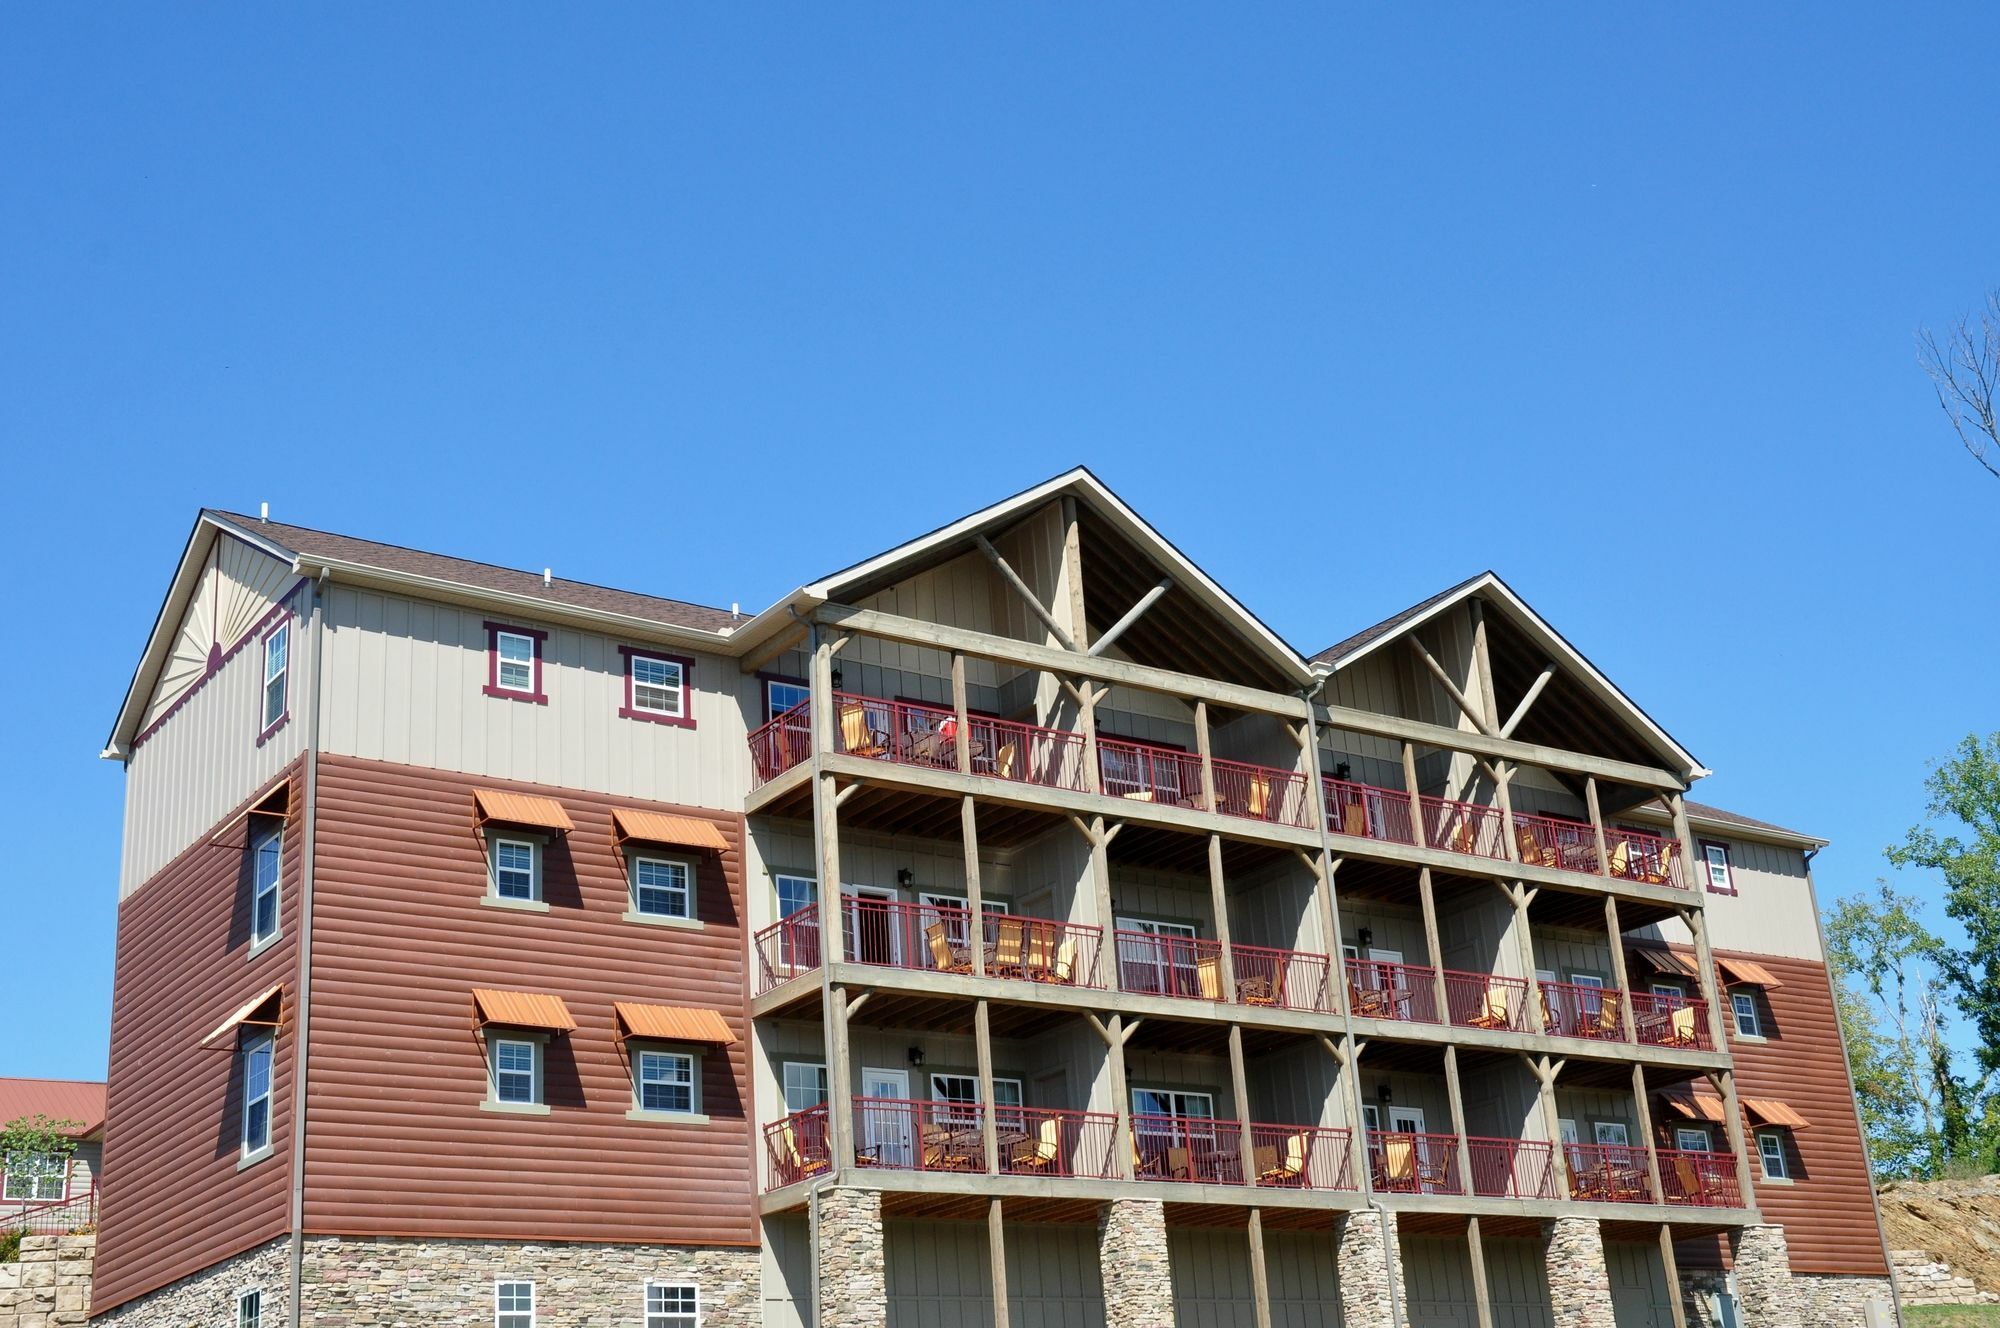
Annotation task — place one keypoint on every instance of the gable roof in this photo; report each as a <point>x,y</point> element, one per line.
<point>1502,596</point>
<point>1706,816</point>
<point>58,1099</point>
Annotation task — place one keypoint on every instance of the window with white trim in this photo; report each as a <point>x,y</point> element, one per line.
<point>266,858</point>
<point>517,1078</point>
<point>1748,1024</point>
<point>250,1309</point>
<point>514,662</point>
<point>1771,1148</point>
<point>1691,1139</point>
<point>277,665</point>
<point>659,686</point>
<point>795,893</point>
<point>672,1305</point>
<point>516,868</point>
<point>805,1085</point>
<point>660,888</point>
<point>666,1081</point>
<point>513,1305</point>
<point>954,1091</point>
<point>35,1178</point>
<point>1721,877</point>
<point>258,1054</point>
<point>782,696</point>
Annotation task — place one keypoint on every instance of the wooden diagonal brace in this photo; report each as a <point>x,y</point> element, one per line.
<point>1013,578</point>
<point>1521,710</point>
<point>1146,601</point>
<point>1471,712</point>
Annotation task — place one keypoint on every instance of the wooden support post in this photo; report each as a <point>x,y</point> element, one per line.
<point>1357,1131</point>
<point>1078,637</point>
<point>1455,1098</point>
<point>1458,696</point>
<point>1482,1295</point>
<point>1432,946</point>
<point>1482,663</point>
<point>1519,896</point>
<point>975,899</point>
<point>1618,974</point>
<point>826,838</point>
<point>1545,1081</point>
<point>1218,897</point>
<point>1239,1085</point>
<point>1260,1274</point>
<point>1122,1143</point>
<point>1201,746</point>
<point>1596,824</point>
<point>839,1085</point>
<point>1725,1084</point>
<point>1671,1266</point>
<point>962,744</point>
<point>1644,1107</point>
<point>1107,920</point>
<point>1418,834</point>
<point>982,1050</point>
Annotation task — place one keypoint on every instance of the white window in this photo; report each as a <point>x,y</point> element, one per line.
<point>666,1081</point>
<point>516,1071</point>
<point>1567,1130</point>
<point>660,888</point>
<point>1611,1133</point>
<point>1691,1139</point>
<point>1371,1116</point>
<point>672,1305</point>
<point>951,1091</point>
<point>250,1309</point>
<point>516,869</point>
<point>805,1085</point>
<point>1164,1102</point>
<point>277,651</point>
<point>1745,1005</point>
<point>782,696</point>
<point>257,1057</point>
<point>266,855</point>
<point>1720,878</point>
<point>1771,1147</point>
<point>36,1178</point>
<point>514,662</point>
<point>795,893</point>
<point>513,1305</point>
<point>1672,991</point>
<point>658,686</point>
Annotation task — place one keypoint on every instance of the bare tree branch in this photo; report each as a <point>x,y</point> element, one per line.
<point>1965,371</point>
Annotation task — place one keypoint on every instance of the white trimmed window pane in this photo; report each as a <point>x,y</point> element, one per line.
<point>250,1310</point>
<point>660,887</point>
<point>1745,1006</point>
<point>666,1081</point>
<point>36,1177</point>
<point>1718,867</point>
<point>805,1085</point>
<point>656,685</point>
<point>277,650</point>
<point>795,893</point>
<point>514,1071</point>
<point>517,661</point>
<point>257,1094</point>
<point>671,1306</point>
<point>783,696</point>
<point>1772,1149</point>
<point>266,858</point>
<point>514,1305</point>
<point>514,869</point>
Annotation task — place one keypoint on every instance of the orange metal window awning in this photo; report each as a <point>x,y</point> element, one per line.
<point>1667,961</point>
<point>674,1023</point>
<point>241,1015</point>
<point>519,809</point>
<point>1770,1111</point>
<point>1745,970</point>
<point>522,1009</point>
<point>1693,1106</point>
<point>662,828</point>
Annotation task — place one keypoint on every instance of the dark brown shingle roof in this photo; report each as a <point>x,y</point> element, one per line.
<point>1340,650</point>
<point>571,594</point>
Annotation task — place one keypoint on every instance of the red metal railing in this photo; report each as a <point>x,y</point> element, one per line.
<point>1290,979</point>
<point>796,1148</point>
<point>1414,1163</point>
<point>1549,841</point>
<point>50,1217</point>
<point>1647,859</point>
<point>787,948</point>
<point>1367,812</point>
<point>1036,1141</point>
<point>781,744</point>
<point>1572,1010</point>
<point>910,733</point>
<point>1188,966</point>
<point>903,1134</point>
<point>1144,773</point>
<point>1699,1180</point>
<point>1671,1021</point>
<point>1303,1157</point>
<point>1608,1173</point>
<point>1187,1148</point>
<point>1404,992</point>
<point>1511,1169</point>
<point>1464,827</point>
<point>1484,1000</point>
<point>1262,793</point>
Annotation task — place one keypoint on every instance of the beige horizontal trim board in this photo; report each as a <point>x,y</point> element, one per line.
<point>1527,753</point>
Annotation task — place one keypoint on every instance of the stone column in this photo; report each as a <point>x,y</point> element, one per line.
<point>1365,1262</point>
<point>1579,1282</point>
<point>853,1284</point>
<point>1132,1260</point>
<point>1764,1280</point>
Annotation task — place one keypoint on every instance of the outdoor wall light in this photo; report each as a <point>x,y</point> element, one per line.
<point>1383,1094</point>
<point>905,877</point>
<point>1343,771</point>
<point>836,679</point>
<point>916,1055</point>
<point>1367,937</point>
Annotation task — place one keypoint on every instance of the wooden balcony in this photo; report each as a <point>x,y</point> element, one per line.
<point>1405,1163</point>
<point>1609,1173</point>
<point>1512,1169</point>
<point>1699,1180</point>
<point>1596,1014</point>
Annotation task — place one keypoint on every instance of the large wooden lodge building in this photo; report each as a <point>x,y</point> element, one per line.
<point>1009,929</point>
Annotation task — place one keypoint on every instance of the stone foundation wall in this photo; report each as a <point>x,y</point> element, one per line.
<point>1365,1260</point>
<point>1132,1260</point>
<point>1579,1279</point>
<point>1764,1285</point>
<point>853,1284</point>
<point>209,1296</point>
<point>1824,1299</point>
<point>1925,1280</point>
<point>49,1284</point>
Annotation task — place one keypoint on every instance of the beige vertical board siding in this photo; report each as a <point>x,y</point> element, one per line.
<point>1426,1092</point>
<point>1050,876</point>
<point>1305,1292</point>
<point>1295,1085</point>
<point>405,682</point>
<point>1374,685</point>
<point>1587,1106</point>
<point>1502,1101</point>
<point>1191,1074</point>
<point>1394,927</point>
<point>1476,935</point>
<point>1162,896</point>
<point>1639,1295</point>
<point>1437,1272</point>
<point>788,1271</point>
<point>1052,1276</point>
<point>1517,1283</point>
<point>1771,912</point>
<point>1276,907</point>
<point>782,848</point>
<point>940,1275</point>
<point>1570,951</point>
<point>204,757</point>
<point>1211,1277</point>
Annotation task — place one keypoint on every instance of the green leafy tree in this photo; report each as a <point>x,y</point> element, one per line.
<point>1960,840</point>
<point>34,1146</point>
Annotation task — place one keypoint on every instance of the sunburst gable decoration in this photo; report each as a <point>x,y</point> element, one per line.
<point>239,585</point>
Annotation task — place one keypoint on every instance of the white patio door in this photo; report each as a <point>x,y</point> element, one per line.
<point>872,931</point>
<point>1145,966</point>
<point>887,1129</point>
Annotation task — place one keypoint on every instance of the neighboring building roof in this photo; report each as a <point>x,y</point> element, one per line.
<point>58,1099</point>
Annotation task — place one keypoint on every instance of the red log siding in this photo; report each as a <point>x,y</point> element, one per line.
<point>396,1140</point>
<point>1828,1211</point>
<point>173,1200</point>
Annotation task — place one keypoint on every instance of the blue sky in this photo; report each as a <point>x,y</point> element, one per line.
<point>1617,301</point>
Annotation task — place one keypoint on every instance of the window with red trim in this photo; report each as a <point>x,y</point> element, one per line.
<point>657,687</point>
<point>1715,861</point>
<point>514,663</point>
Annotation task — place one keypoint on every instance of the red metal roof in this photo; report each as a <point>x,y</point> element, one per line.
<point>58,1099</point>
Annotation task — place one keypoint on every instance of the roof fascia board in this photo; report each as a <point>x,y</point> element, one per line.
<point>1729,829</point>
<point>830,587</point>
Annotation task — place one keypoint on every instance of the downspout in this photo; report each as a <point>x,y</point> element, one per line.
<point>308,830</point>
<point>1353,1066</point>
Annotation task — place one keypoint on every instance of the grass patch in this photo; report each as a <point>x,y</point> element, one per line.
<point>1952,1316</point>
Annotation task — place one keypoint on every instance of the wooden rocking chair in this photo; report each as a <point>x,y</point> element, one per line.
<point>856,737</point>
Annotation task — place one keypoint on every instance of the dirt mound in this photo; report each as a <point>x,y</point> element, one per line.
<point>1956,1222</point>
